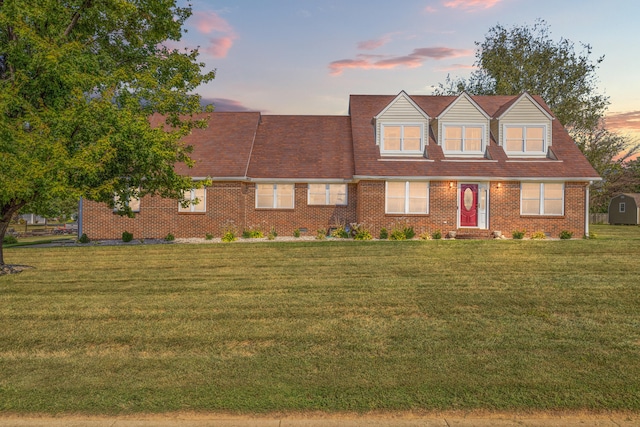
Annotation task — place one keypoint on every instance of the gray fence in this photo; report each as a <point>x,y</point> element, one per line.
<point>599,218</point>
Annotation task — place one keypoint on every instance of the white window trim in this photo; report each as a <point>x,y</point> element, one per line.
<point>541,200</point>
<point>401,151</point>
<point>193,208</point>
<point>275,196</point>
<point>545,140</point>
<point>483,142</point>
<point>622,207</point>
<point>406,198</point>
<point>327,199</point>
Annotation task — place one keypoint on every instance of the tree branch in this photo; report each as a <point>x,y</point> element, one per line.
<point>76,16</point>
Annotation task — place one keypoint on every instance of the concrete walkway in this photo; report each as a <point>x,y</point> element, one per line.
<point>195,420</point>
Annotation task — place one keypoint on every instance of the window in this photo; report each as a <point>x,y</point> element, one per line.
<point>542,198</point>
<point>407,197</point>
<point>402,139</point>
<point>622,207</point>
<point>525,140</point>
<point>463,139</point>
<point>327,194</point>
<point>197,200</point>
<point>133,203</point>
<point>274,196</point>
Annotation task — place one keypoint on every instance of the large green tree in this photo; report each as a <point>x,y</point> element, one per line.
<point>78,82</point>
<point>526,59</point>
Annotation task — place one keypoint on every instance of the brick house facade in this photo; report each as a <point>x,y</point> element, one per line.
<point>470,164</point>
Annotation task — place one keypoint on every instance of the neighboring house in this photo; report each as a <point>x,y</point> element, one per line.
<point>625,209</point>
<point>469,164</point>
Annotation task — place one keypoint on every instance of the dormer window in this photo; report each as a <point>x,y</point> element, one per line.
<point>528,140</point>
<point>463,139</point>
<point>402,139</point>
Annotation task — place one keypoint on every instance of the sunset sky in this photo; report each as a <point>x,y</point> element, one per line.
<point>307,56</point>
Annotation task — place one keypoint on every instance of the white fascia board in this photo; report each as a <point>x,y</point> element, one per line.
<point>475,178</point>
<point>302,180</point>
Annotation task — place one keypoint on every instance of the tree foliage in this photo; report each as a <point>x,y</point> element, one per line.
<point>78,82</point>
<point>526,59</point>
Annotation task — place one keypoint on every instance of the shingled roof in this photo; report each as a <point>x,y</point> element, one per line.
<point>251,146</point>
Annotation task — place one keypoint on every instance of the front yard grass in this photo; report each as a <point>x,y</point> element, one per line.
<point>324,326</point>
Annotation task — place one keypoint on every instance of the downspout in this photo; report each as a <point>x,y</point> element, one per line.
<point>586,210</point>
<point>80,218</point>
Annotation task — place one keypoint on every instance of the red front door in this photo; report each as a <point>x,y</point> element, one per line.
<point>468,205</point>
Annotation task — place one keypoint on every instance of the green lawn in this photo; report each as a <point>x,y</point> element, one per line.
<point>324,326</point>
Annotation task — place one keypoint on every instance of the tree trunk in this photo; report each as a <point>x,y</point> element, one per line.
<point>6,213</point>
<point>3,229</point>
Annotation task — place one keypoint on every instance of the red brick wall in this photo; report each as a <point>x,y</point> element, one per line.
<point>505,211</point>
<point>233,204</point>
<point>229,205</point>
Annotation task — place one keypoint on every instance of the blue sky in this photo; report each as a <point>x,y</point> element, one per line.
<point>307,56</point>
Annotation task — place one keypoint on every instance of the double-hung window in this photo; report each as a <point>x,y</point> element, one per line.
<point>197,198</point>
<point>402,139</point>
<point>407,197</point>
<point>622,207</point>
<point>275,196</point>
<point>327,194</point>
<point>539,198</point>
<point>526,140</point>
<point>463,139</point>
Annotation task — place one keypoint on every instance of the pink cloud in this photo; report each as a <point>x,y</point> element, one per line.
<point>413,60</point>
<point>208,22</point>
<point>430,9</point>
<point>219,47</point>
<point>629,121</point>
<point>211,23</point>
<point>471,4</point>
<point>371,44</point>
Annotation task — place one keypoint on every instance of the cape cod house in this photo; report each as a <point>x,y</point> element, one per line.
<point>468,164</point>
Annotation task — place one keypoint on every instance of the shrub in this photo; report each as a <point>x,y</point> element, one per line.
<point>229,236</point>
<point>384,234</point>
<point>296,232</point>
<point>340,233</point>
<point>362,234</point>
<point>425,236</point>
<point>208,236</point>
<point>397,234</point>
<point>321,234</point>
<point>518,234</point>
<point>252,233</point>
<point>84,238</point>
<point>126,236</point>
<point>565,235</point>
<point>170,237</point>
<point>436,235</point>
<point>538,235</point>
<point>409,233</point>
<point>9,240</point>
<point>272,234</point>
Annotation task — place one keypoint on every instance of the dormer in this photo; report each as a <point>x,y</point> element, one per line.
<point>463,128</point>
<point>524,128</point>
<point>402,128</point>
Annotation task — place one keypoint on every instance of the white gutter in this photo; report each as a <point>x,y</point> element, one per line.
<point>477,178</point>
<point>586,210</point>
